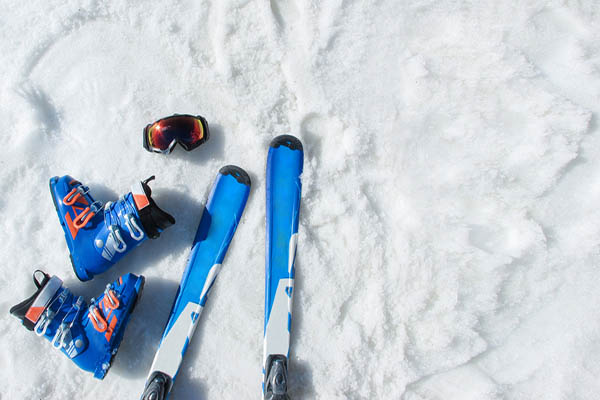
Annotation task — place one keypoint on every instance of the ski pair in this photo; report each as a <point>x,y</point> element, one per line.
<point>217,226</point>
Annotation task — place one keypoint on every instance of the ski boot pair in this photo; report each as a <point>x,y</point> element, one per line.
<point>97,237</point>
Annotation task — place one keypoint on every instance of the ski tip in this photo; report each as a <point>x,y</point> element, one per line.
<point>239,174</point>
<point>289,141</point>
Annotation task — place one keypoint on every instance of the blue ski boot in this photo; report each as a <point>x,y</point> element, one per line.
<point>90,336</point>
<point>99,236</point>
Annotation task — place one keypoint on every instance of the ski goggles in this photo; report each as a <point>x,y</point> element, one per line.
<point>187,130</point>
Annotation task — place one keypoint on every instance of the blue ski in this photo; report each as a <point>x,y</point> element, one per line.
<point>219,220</point>
<point>284,167</point>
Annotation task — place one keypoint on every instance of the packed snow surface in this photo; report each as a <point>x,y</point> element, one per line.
<point>450,226</point>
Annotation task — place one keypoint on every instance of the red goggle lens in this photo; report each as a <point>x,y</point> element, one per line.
<point>189,131</point>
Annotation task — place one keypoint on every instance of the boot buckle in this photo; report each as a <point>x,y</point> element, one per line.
<point>135,231</point>
<point>111,297</point>
<point>63,336</point>
<point>59,337</point>
<point>42,325</point>
<point>75,193</point>
<point>46,318</point>
<point>97,319</point>
<point>118,243</point>
<point>82,219</point>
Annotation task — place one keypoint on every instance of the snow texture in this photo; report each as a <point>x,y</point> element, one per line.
<point>450,225</point>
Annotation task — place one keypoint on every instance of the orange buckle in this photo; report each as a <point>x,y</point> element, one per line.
<point>71,197</point>
<point>97,319</point>
<point>113,300</point>
<point>82,219</point>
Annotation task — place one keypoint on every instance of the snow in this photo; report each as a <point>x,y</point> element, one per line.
<point>450,228</point>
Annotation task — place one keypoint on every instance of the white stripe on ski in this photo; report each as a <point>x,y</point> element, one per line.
<point>292,251</point>
<point>277,335</point>
<point>168,357</point>
<point>212,274</point>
